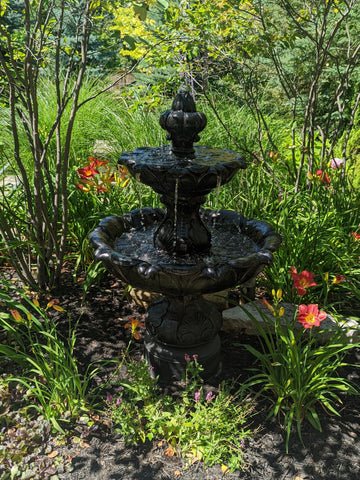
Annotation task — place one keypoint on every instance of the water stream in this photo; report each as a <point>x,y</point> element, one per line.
<point>217,196</point>
<point>137,184</point>
<point>176,194</point>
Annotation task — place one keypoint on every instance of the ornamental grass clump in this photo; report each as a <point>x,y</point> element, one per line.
<point>47,365</point>
<point>294,371</point>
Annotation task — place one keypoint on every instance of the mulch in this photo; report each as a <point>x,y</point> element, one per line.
<point>331,454</point>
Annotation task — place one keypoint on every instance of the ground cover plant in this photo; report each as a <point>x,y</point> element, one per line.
<point>202,426</point>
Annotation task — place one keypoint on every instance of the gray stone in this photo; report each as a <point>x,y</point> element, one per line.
<point>102,148</point>
<point>239,320</point>
<point>10,182</point>
<point>144,299</point>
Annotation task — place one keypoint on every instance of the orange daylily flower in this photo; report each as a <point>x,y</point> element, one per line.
<point>16,315</point>
<point>82,187</point>
<point>267,304</point>
<point>101,188</point>
<point>52,303</point>
<point>87,172</point>
<point>323,177</point>
<point>302,280</point>
<point>98,162</point>
<point>134,324</point>
<point>310,316</point>
<point>338,278</point>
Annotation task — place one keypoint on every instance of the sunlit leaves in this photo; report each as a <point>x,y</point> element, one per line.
<point>136,22</point>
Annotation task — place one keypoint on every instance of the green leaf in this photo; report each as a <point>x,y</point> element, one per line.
<point>313,418</point>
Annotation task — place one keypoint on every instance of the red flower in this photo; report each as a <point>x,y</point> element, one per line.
<point>338,278</point>
<point>101,188</point>
<point>96,162</point>
<point>355,235</point>
<point>310,316</point>
<point>87,172</point>
<point>302,280</point>
<point>323,177</point>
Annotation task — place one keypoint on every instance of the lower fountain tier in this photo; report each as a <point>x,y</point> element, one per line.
<point>240,249</point>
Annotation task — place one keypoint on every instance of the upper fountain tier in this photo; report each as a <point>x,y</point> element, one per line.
<point>182,167</point>
<point>183,175</point>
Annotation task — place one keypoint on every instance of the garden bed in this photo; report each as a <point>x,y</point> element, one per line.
<point>99,453</point>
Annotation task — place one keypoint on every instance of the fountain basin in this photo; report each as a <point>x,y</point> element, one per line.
<point>183,322</point>
<point>165,173</point>
<point>125,246</point>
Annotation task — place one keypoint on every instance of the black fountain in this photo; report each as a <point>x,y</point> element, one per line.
<point>183,252</point>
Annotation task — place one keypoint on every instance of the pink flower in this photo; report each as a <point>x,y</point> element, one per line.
<point>336,162</point>
<point>209,396</point>
<point>197,396</point>
<point>310,316</point>
<point>355,235</point>
<point>118,401</point>
<point>187,358</point>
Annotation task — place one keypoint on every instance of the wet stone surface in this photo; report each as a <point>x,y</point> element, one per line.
<point>226,245</point>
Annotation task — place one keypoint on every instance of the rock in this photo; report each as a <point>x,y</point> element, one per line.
<point>102,148</point>
<point>144,298</point>
<point>239,320</point>
<point>219,299</point>
<point>11,182</point>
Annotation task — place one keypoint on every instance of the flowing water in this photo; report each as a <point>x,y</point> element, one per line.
<point>217,196</point>
<point>137,184</point>
<point>176,206</point>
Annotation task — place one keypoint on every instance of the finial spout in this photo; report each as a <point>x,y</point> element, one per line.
<point>183,124</point>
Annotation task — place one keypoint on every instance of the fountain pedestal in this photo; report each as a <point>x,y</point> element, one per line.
<point>182,231</point>
<point>180,326</point>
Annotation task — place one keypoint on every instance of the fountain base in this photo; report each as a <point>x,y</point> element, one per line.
<point>168,362</point>
<point>180,326</point>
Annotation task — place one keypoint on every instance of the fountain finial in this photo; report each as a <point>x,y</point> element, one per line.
<point>183,123</point>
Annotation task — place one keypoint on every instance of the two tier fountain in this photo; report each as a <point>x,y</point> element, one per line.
<point>183,252</point>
